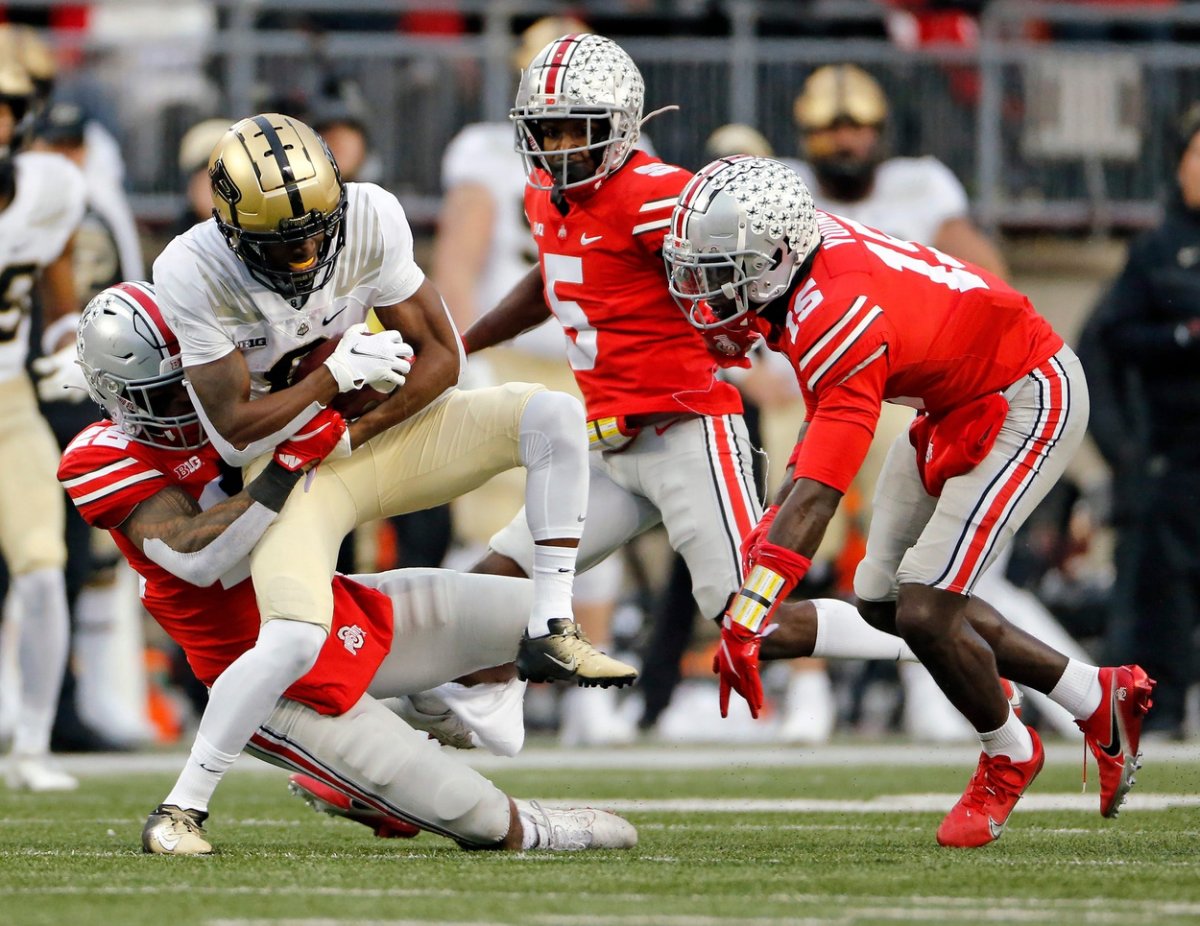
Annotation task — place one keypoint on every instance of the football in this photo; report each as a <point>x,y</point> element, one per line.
<point>349,405</point>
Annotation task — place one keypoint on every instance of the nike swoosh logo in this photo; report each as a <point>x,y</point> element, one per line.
<point>169,842</point>
<point>995,828</point>
<point>581,518</point>
<point>326,321</point>
<point>586,240</point>
<point>569,666</point>
<point>1113,748</point>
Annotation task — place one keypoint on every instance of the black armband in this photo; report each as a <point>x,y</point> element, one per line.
<point>273,485</point>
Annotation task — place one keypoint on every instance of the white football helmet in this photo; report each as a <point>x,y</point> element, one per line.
<point>586,77</point>
<point>133,368</point>
<point>741,230</point>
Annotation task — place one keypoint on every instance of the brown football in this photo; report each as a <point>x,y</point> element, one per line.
<point>349,405</point>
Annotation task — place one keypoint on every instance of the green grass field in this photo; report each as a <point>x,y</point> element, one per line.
<point>727,837</point>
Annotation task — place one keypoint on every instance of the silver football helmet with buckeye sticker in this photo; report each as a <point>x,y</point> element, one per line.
<point>584,77</point>
<point>741,230</point>
<point>133,368</point>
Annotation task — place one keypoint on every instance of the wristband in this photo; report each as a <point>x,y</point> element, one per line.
<point>54,331</point>
<point>776,572</point>
<point>273,485</point>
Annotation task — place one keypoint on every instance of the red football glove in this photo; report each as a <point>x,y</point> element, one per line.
<point>757,536</point>
<point>321,437</point>
<point>736,665</point>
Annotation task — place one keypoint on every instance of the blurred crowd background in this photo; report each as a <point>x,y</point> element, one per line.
<point>1061,120</point>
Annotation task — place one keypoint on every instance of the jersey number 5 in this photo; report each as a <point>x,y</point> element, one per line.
<point>581,349</point>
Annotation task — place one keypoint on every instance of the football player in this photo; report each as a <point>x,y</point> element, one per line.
<point>294,257</point>
<point>149,476</point>
<point>865,318</point>
<point>669,440</point>
<point>41,204</point>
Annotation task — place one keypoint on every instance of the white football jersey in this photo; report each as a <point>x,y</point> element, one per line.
<point>46,209</point>
<point>910,199</point>
<point>214,306</point>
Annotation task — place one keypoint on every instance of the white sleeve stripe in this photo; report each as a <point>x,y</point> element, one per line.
<point>658,204</point>
<point>116,487</point>
<point>99,473</point>
<point>841,349</point>
<point>878,352</point>
<point>832,332</point>
<point>651,226</point>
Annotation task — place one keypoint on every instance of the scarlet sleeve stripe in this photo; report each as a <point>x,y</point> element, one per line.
<point>668,203</point>
<point>652,226</point>
<point>115,486</point>
<point>98,473</point>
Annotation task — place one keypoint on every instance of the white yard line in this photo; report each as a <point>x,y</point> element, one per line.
<point>659,758</point>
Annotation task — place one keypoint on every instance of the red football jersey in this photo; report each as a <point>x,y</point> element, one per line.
<point>108,475</point>
<point>880,319</point>
<point>630,346</point>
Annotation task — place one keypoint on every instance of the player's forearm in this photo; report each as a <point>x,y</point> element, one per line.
<point>523,308</point>
<point>201,546</point>
<point>803,517</point>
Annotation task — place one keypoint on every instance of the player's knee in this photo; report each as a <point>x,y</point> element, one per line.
<point>293,645</point>
<point>873,582</point>
<point>919,624</point>
<point>879,614</point>
<point>552,423</point>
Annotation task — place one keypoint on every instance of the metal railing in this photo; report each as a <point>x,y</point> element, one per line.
<point>1069,133</point>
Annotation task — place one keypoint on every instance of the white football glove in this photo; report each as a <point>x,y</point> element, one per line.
<point>60,377</point>
<point>380,361</point>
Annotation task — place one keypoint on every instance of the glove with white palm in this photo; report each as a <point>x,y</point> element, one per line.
<point>381,361</point>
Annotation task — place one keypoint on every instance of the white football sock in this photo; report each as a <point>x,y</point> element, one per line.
<point>554,452</point>
<point>1079,689</point>
<point>1012,740</point>
<point>242,698</point>
<point>553,577</point>
<point>42,641</point>
<point>843,634</point>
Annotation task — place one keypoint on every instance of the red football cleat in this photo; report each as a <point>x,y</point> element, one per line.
<point>326,799</point>
<point>998,783</point>
<point>1113,731</point>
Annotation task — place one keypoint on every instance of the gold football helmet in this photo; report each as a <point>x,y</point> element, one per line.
<point>23,44</point>
<point>275,184</point>
<point>838,92</point>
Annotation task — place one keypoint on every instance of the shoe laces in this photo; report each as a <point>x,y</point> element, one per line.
<point>996,779</point>
<point>191,820</point>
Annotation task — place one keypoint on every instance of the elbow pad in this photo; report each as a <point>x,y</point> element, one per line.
<point>242,456</point>
<point>204,567</point>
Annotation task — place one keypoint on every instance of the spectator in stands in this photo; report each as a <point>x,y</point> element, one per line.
<point>1142,345</point>
<point>194,148</point>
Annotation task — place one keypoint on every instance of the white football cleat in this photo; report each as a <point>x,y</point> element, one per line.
<point>577,829</point>
<point>494,712</point>
<point>430,714</point>
<point>171,830</point>
<point>37,773</point>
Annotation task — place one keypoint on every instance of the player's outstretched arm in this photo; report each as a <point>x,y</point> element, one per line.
<point>201,546</point>
<point>424,321</point>
<point>523,308</point>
